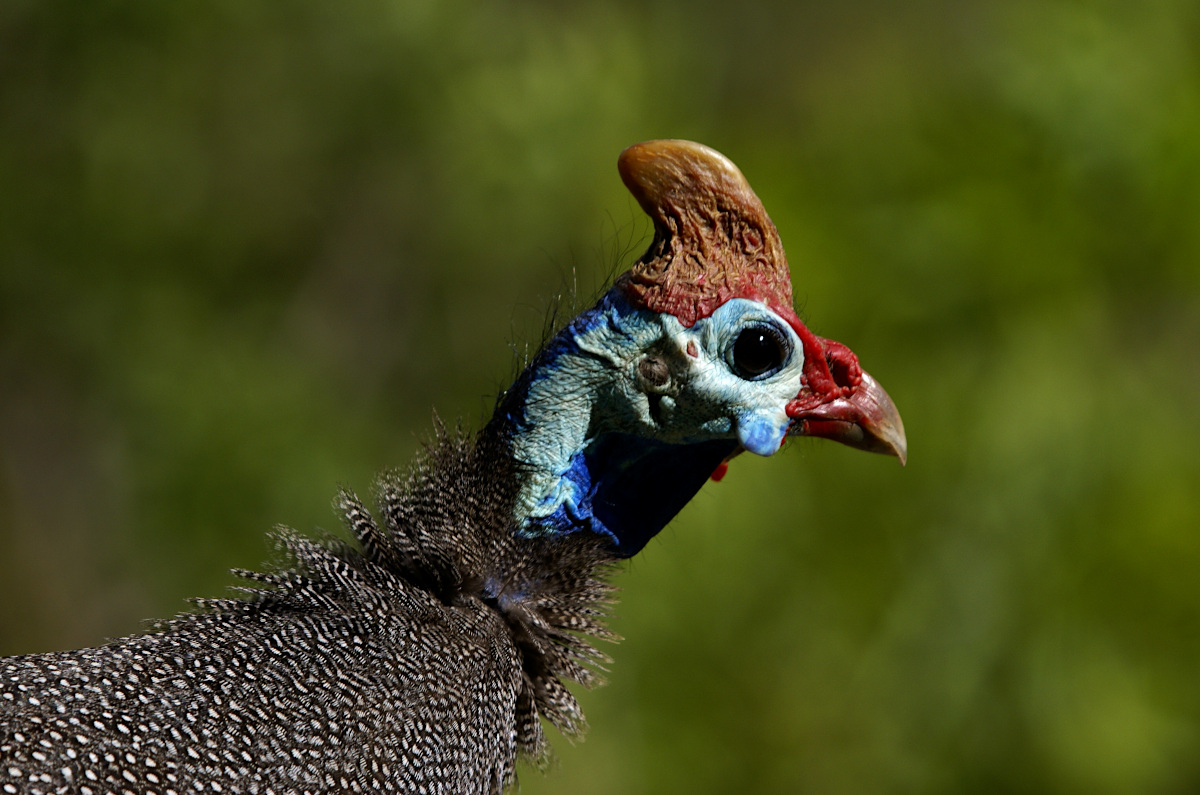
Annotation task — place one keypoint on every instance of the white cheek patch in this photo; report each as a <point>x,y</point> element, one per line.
<point>753,409</point>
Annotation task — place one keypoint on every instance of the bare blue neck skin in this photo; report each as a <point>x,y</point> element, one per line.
<point>585,434</point>
<point>625,414</point>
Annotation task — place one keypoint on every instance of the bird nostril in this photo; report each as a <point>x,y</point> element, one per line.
<point>843,365</point>
<point>837,369</point>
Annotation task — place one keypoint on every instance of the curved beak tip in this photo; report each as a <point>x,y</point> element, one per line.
<point>866,420</point>
<point>896,444</point>
<point>885,424</point>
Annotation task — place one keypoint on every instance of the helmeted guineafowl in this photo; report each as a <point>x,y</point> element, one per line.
<point>423,656</point>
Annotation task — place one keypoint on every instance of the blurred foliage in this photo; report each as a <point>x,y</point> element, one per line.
<point>245,249</point>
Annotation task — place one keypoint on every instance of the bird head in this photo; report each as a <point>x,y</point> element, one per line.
<point>693,356</point>
<point>717,261</point>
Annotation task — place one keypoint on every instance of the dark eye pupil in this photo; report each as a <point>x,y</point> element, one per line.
<point>757,351</point>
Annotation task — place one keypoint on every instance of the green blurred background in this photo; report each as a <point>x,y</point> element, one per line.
<point>245,250</point>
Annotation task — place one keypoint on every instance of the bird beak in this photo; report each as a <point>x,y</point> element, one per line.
<point>865,419</point>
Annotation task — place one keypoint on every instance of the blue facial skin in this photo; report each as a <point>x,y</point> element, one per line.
<point>613,446</point>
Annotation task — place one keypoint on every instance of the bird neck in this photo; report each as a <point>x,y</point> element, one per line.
<point>590,453</point>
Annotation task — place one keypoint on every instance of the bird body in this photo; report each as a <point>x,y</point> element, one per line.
<point>423,655</point>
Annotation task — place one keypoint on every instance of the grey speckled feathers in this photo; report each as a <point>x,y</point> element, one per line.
<point>418,660</point>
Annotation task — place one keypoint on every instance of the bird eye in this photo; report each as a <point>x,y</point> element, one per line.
<point>758,352</point>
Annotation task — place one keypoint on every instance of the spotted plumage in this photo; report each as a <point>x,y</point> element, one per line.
<point>423,655</point>
<point>417,660</point>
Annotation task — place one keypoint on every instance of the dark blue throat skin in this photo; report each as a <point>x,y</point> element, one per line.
<point>634,486</point>
<point>571,419</point>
